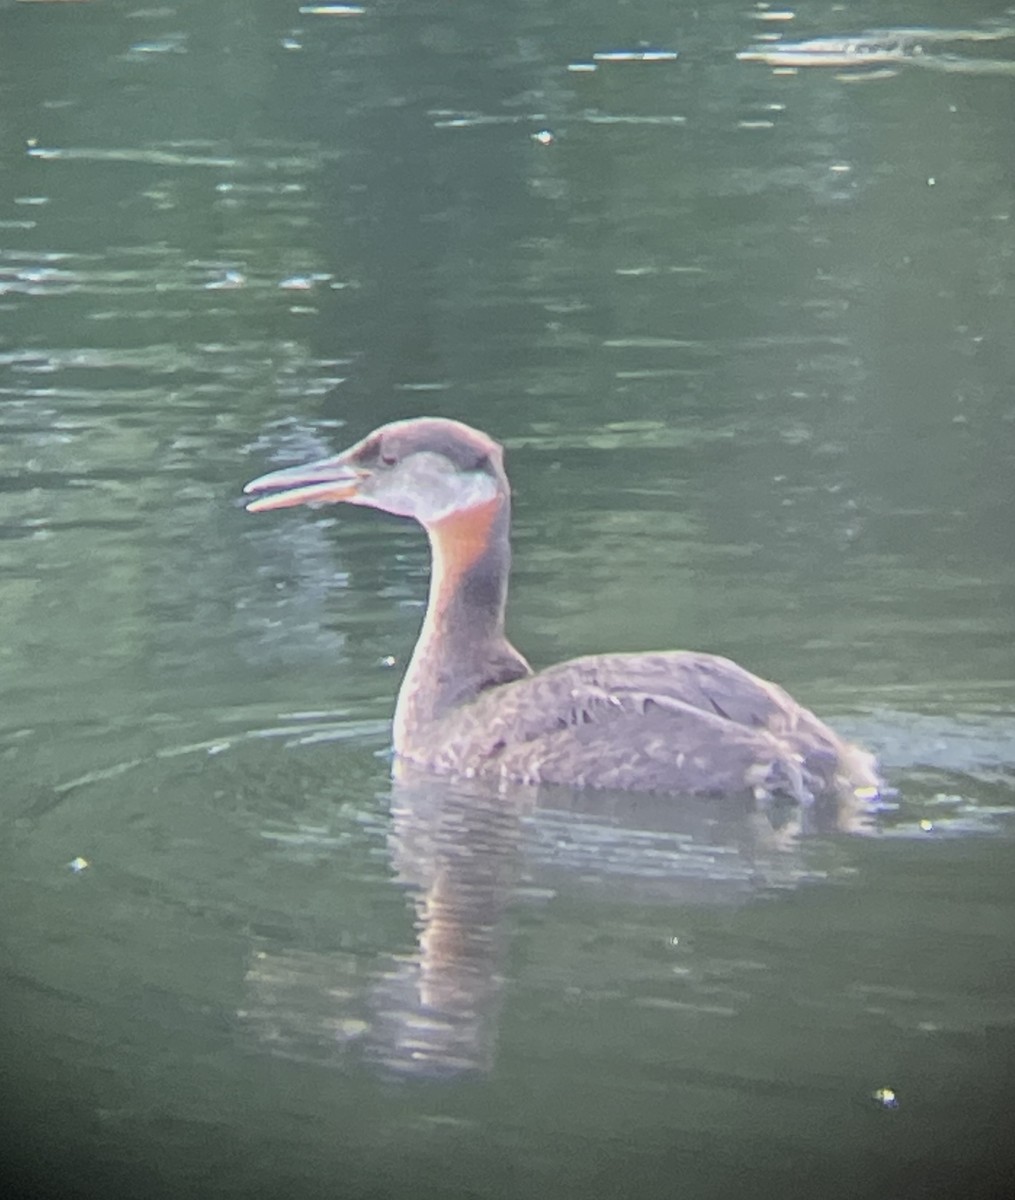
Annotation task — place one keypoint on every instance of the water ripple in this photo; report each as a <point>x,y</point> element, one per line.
<point>887,47</point>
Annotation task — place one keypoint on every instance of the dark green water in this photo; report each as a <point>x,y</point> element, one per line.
<point>745,326</point>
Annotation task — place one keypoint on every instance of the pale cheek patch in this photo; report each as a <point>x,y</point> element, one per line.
<point>432,490</point>
<point>468,491</point>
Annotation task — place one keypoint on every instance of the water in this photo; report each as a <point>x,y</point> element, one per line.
<point>744,324</point>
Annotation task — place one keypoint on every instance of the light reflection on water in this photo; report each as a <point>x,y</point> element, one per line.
<point>746,335</point>
<point>931,49</point>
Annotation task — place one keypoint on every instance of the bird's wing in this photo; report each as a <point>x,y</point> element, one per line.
<point>675,681</point>
<point>676,721</point>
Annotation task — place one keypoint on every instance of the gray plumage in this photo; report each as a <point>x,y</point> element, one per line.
<point>676,721</point>
<point>470,705</point>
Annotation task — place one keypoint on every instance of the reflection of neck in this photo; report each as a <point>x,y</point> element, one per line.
<point>461,649</point>
<point>457,853</point>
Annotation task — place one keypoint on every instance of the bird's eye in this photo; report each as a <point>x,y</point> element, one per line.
<point>388,458</point>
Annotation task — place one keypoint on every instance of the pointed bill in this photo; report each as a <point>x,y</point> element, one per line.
<point>328,481</point>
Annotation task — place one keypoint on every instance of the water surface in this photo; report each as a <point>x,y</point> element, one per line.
<point>733,286</point>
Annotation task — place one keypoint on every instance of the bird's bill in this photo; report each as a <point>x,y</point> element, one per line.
<point>327,481</point>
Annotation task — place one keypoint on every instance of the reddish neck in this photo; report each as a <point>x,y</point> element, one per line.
<point>461,649</point>
<point>466,544</point>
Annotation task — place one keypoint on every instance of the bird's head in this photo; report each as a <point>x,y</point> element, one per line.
<point>427,468</point>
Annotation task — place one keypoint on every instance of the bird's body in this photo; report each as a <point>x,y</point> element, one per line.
<point>470,705</point>
<point>675,721</point>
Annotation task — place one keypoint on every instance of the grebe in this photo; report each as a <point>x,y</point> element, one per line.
<point>471,706</point>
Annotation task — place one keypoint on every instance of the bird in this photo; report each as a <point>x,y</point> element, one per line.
<point>470,706</point>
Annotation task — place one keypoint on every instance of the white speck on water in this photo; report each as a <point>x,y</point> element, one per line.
<point>635,56</point>
<point>332,10</point>
<point>231,279</point>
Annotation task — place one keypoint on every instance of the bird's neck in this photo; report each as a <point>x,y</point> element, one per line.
<point>462,649</point>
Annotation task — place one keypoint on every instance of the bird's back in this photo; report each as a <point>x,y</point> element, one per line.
<point>680,722</point>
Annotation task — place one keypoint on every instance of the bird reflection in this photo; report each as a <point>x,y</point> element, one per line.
<point>459,856</point>
<point>468,858</point>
